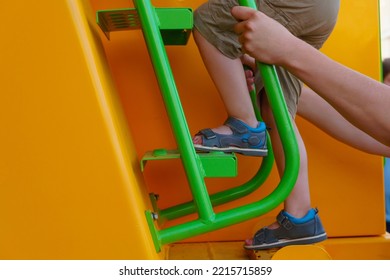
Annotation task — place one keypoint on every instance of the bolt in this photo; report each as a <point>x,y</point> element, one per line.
<point>154,216</point>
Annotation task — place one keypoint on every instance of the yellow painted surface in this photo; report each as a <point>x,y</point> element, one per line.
<point>359,248</point>
<point>207,251</point>
<point>70,184</point>
<point>302,252</point>
<point>346,248</point>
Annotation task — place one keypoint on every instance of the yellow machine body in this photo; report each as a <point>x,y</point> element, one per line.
<point>78,112</point>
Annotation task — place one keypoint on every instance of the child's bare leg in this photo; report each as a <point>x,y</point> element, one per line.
<point>298,202</point>
<point>229,78</point>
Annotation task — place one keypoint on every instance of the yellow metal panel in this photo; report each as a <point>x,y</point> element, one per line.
<point>359,248</point>
<point>355,248</point>
<point>207,251</point>
<point>70,186</point>
<point>302,252</point>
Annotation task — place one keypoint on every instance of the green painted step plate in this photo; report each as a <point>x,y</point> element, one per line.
<point>215,164</point>
<point>175,23</point>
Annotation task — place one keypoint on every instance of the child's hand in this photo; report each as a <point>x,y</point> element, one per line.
<point>249,61</point>
<point>250,79</point>
<point>262,37</point>
<point>250,68</point>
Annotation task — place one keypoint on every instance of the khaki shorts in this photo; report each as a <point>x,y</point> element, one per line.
<point>309,20</point>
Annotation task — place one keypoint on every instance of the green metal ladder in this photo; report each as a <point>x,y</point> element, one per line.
<point>173,26</point>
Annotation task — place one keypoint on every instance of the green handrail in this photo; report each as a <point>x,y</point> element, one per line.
<point>175,112</point>
<point>282,119</point>
<point>208,220</point>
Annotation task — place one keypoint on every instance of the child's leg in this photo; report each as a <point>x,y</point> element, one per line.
<point>220,50</point>
<point>298,223</point>
<point>242,133</point>
<point>298,203</point>
<point>229,78</point>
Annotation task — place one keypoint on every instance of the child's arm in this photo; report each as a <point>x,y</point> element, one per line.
<point>360,99</point>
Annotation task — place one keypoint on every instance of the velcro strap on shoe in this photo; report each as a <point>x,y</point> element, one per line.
<point>284,221</point>
<point>207,133</point>
<point>236,125</point>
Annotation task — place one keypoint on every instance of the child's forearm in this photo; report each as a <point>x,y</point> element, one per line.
<point>362,100</point>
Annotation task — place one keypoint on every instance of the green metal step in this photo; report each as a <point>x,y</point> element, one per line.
<point>214,164</point>
<point>175,23</point>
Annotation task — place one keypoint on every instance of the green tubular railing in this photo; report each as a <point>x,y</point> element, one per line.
<point>203,203</point>
<point>174,109</point>
<point>226,196</point>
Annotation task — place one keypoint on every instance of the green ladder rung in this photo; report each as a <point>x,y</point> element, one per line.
<point>214,164</point>
<point>175,23</point>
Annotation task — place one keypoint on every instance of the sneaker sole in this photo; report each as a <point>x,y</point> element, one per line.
<point>243,151</point>
<point>285,242</point>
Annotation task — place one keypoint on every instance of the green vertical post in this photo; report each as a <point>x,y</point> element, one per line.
<point>175,112</point>
<point>282,119</point>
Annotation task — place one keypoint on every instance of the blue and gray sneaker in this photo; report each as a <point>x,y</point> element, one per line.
<point>245,140</point>
<point>292,231</point>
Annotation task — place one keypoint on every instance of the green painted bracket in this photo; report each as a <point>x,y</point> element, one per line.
<point>153,230</point>
<point>228,195</point>
<point>175,23</point>
<point>214,164</point>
